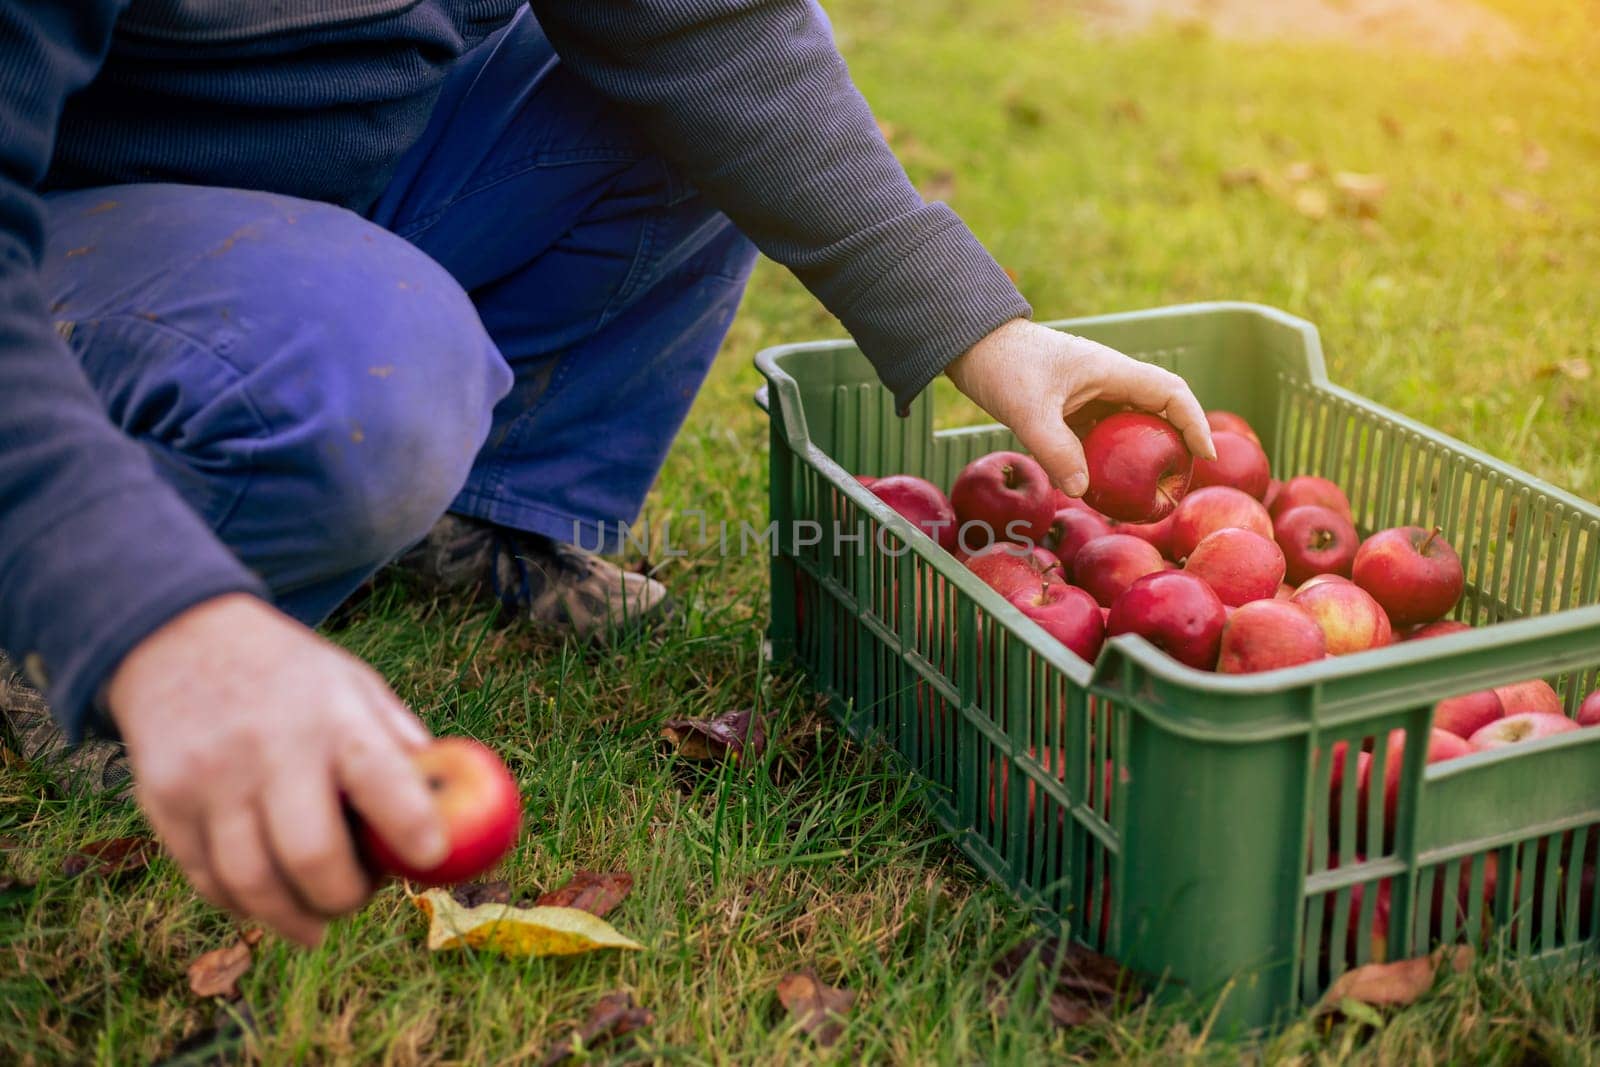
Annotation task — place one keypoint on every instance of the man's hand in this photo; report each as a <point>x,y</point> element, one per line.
<point>1034,379</point>
<point>246,734</point>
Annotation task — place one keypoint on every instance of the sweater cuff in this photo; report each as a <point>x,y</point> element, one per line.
<point>114,572</point>
<point>944,297</point>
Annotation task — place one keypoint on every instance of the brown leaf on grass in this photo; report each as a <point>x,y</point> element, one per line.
<point>471,894</point>
<point>1087,984</point>
<point>1391,126</point>
<point>1239,176</point>
<point>941,186</point>
<point>1016,279</point>
<point>217,973</point>
<point>595,892</point>
<point>820,1009</point>
<point>1520,200</point>
<point>1577,370</point>
<point>1126,109</point>
<point>1395,984</point>
<point>1300,171</point>
<point>1535,157</point>
<point>732,735</point>
<point>1361,192</point>
<point>112,859</point>
<point>613,1015</point>
<point>1310,202</point>
<point>537,931</point>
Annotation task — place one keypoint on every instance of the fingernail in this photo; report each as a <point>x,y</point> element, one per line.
<point>434,845</point>
<point>1077,485</point>
<point>415,733</point>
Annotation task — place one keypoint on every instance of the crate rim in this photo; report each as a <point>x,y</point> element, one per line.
<point>1464,649</point>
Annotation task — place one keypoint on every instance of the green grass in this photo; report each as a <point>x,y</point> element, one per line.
<point>1092,169</point>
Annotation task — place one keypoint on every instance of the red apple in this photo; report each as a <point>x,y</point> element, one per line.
<point>1350,619</point>
<point>921,502</point>
<point>1412,572</point>
<point>1176,612</point>
<point>1071,529</point>
<point>1468,713</point>
<point>1240,565</point>
<point>1158,533</point>
<point>1008,568</point>
<point>1228,422</point>
<point>1589,710</point>
<point>1336,780</point>
<point>1239,463</point>
<point>1525,726</point>
<point>1139,467</point>
<point>1067,614</point>
<point>1274,487</point>
<point>1308,489</point>
<point>1315,540</point>
<point>1216,507</point>
<point>1533,695</point>
<point>1442,628</point>
<point>1054,761</point>
<point>1107,566</point>
<point>1003,496</point>
<point>1442,745</point>
<point>477,802</point>
<point>1317,579</point>
<point>866,480</point>
<point>1265,635</point>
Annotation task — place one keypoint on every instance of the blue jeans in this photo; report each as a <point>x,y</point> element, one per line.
<point>515,332</point>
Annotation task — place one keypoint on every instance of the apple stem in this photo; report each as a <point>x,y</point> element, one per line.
<point>1423,548</point>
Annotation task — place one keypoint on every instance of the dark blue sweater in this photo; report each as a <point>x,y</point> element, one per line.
<point>318,98</point>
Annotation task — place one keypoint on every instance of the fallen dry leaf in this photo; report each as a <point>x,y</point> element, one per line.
<point>731,735</point>
<point>614,1015</point>
<point>595,892</point>
<point>217,973</point>
<point>1363,192</point>
<point>1238,176</point>
<point>1535,157</point>
<point>1520,200</point>
<point>1311,202</point>
<point>513,931</point>
<point>1391,126</point>
<point>942,186</point>
<point>1087,984</point>
<point>1127,109</point>
<point>1395,984</point>
<point>820,1009</point>
<point>115,858</point>
<point>1577,370</point>
<point>1300,171</point>
<point>471,894</point>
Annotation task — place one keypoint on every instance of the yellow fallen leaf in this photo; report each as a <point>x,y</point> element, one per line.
<point>515,931</point>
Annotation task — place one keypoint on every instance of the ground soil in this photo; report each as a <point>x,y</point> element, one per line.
<point>1451,27</point>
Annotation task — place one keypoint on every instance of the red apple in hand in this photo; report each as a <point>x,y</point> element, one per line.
<point>1526,726</point>
<point>1265,635</point>
<point>1533,695</point>
<point>1107,566</point>
<point>1071,529</point>
<point>1067,614</point>
<point>477,801</point>
<point>1005,494</point>
<point>1315,540</point>
<point>1350,619</point>
<point>1007,568</point>
<point>1240,565</point>
<point>1308,490</point>
<point>1412,572</point>
<point>1589,710</point>
<point>921,502</point>
<point>1228,422</point>
<point>1240,463</point>
<point>1176,612</point>
<point>1468,713</point>
<point>1216,507</point>
<point>1139,467</point>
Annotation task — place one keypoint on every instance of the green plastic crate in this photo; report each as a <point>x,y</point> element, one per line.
<point>1201,849</point>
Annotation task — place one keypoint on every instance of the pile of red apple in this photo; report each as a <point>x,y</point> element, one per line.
<point>1214,562</point>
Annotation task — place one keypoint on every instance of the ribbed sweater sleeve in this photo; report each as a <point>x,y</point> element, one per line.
<point>95,550</point>
<point>752,99</point>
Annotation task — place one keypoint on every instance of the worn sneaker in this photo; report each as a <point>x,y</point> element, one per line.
<point>553,585</point>
<point>29,730</point>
